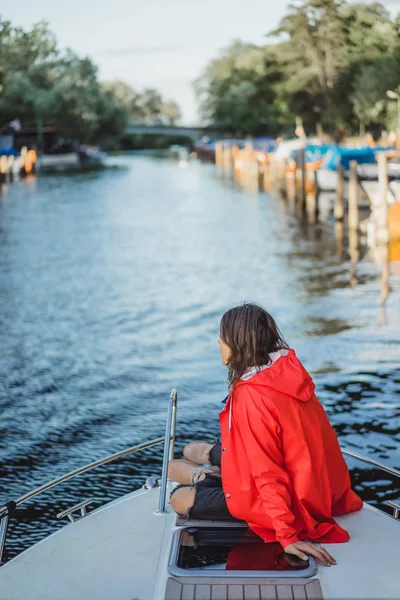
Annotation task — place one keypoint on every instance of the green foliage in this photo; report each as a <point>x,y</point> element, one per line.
<point>38,84</point>
<point>332,64</point>
<point>145,107</point>
<point>170,112</point>
<point>370,86</point>
<point>237,90</point>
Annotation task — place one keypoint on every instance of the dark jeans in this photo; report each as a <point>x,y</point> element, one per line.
<point>214,456</point>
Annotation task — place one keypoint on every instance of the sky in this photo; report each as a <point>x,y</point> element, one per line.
<point>163,44</point>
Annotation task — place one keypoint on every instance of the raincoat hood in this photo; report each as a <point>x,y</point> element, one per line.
<point>284,374</point>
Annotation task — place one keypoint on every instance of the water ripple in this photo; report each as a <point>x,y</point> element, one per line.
<point>111,289</point>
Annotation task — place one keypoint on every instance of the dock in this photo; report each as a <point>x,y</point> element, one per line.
<point>300,184</point>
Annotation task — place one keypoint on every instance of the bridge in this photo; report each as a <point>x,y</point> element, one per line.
<point>171,130</point>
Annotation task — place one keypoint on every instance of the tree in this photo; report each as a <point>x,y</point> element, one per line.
<point>332,64</point>
<point>369,96</point>
<point>146,106</point>
<point>20,51</point>
<point>170,112</point>
<point>237,91</point>
<point>370,31</point>
<point>312,55</point>
<point>25,61</point>
<point>372,39</point>
<point>77,94</point>
<point>113,119</point>
<point>38,84</point>
<point>149,106</point>
<point>126,96</point>
<point>331,48</point>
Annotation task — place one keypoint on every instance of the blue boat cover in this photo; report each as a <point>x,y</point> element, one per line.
<point>314,152</point>
<point>342,156</point>
<point>8,152</point>
<point>263,144</point>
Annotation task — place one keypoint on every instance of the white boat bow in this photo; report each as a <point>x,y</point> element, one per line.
<point>124,551</point>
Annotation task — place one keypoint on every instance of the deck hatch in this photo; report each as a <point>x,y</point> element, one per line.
<point>206,551</point>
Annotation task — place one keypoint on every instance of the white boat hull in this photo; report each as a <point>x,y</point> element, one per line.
<point>327,180</point>
<point>121,552</point>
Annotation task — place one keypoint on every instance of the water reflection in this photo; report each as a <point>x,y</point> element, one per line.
<point>354,255</point>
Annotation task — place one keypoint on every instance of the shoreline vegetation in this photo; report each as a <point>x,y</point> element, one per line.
<point>328,66</point>
<point>42,88</point>
<point>331,63</point>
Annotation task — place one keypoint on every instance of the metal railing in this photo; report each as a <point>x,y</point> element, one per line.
<point>371,461</point>
<point>89,467</point>
<point>169,448</point>
<point>169,445</point>
<point>391,470</point>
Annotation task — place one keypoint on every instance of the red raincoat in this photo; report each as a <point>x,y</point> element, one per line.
<point>282,468</point>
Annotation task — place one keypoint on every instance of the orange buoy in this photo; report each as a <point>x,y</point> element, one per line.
<point>394,221</point>
<point>394,251</point>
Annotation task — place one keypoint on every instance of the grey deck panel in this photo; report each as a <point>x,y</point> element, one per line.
<point>242,588</point>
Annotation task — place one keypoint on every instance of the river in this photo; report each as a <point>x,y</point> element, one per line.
<point>112,285</point>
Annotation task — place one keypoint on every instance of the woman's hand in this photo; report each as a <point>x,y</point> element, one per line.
<point>302,549</point>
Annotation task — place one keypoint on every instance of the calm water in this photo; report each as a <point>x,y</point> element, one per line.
<point>111,289</point>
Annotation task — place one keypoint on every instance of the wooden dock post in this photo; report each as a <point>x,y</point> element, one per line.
<point>283,185</point>
<point>272,174</point>
<point>3,168</point>
<point>254,171</point>
<point>339,234</point>
<point>248,161</point>
<point>228,160</point>
<point>280,170</point>
<point>383,224</point>
<point>303,194</point>
<point>385,279</point>
<point>354,255</point>
<point>10,167</point>
<point>317,190</point>
<point>295,184</point>
<point>312,199</point>
<point>354,216</point>
<point>235,158</point>
<point>339,204</point>
<point>382,220</point>
<point>219,156</point>
<point>267,175</point>
<point>291,183</point>
<point>261,170</point>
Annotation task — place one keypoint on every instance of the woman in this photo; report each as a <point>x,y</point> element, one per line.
<point>282,468</point>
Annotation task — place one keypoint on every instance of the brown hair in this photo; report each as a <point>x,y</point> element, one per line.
<point>251,334</point>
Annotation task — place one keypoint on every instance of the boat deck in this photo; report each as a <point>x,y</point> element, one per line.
<point>242,588</point>
<point>111,554</point>
<point>367,568</point>
<point>121,552</point>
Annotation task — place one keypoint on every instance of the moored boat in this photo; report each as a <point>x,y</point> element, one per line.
<point>337,156</point>
<point>72,159</point>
